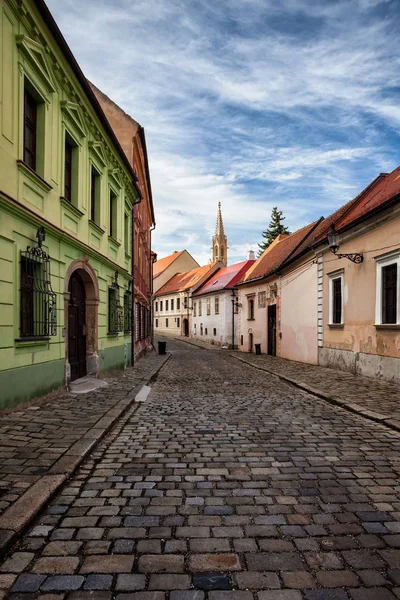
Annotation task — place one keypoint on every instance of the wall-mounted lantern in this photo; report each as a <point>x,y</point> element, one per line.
<point>333,242</point>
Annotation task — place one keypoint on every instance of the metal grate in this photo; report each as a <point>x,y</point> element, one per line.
<point>38,309</point>
<point>115,310</point>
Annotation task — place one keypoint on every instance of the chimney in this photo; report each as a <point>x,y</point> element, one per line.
<point>250,255</point>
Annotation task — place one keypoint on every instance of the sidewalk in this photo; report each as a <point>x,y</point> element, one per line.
<point>44,441</point>
<point>376,399</point>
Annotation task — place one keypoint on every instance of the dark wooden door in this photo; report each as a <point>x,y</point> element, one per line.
<point>250,342</point>
<point>77,328</point>
<point>272,330</point>
<point>186,327</point>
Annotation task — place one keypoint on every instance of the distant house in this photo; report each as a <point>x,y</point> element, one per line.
<point>173,301</point>
<point>275,313</point>
<point>215,306</point>
<point>359,317</point>
<point>165,268</point>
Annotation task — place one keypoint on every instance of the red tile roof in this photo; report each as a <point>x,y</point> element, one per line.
<point>225,278</point>
<point>183,281</point>
<point>161,264</point>
<point>279,251</point>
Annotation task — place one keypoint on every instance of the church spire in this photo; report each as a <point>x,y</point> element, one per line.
<point>219,241</point>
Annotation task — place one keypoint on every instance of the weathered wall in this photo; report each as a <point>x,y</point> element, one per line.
<point>298,318</point>
<point>222,322</point>
<point>376,351</point>
<point>258,325</point>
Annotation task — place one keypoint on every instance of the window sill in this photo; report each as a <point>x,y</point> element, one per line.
<point>127,256</point>
<point>69,205</point>
<point>113,241</point>
<point>336,325</point>
<point>387,326</point>
<point>33,341</point>
<point>96,227</point>
<point>26,170</point>
<point>113,333</point>
<point>251,319</point>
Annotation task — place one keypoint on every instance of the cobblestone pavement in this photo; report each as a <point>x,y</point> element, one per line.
<point>226,483</point>
<point>377,398</point>
<point>34,439</point>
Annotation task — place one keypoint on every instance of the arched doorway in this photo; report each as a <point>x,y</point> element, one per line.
<point>186,327</point>
<point>77,327</point>
<point>81,300</point>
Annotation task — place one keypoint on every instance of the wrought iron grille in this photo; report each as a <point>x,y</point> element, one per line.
<point>115,310</point>
<point>127,312</point>
<point>38,309</point>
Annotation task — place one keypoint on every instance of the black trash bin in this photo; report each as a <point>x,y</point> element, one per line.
<point>258,348</point>
<point>162,347</point>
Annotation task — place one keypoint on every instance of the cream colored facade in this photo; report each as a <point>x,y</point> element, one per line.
<point>252,327</point>
<point>361,344</point>
<point>184,262</point>
<point>170,313</point>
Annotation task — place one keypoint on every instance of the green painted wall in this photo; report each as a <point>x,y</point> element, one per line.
<point>20,385</point>
<point>29,57</point>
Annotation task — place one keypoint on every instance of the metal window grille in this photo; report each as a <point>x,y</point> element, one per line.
<point>137,322</point>
<point>389,293</point>
<point>142,317</point>
<point>115,310</point>
<point>127,312</point>
<point>38,311</point>
<point>337,300</point>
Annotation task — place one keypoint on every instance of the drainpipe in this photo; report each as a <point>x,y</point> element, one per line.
<point>233,319</point>
<point>151,293</point>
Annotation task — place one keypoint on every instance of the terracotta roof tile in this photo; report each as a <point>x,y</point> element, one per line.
<point>183,281</point>
<point>161,264</point>
<point>277,253</point>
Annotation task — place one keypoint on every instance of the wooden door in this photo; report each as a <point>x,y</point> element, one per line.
<point>185,327</point>
<point>250,342</point>
<point>77,328</point>
<point>272,330</point>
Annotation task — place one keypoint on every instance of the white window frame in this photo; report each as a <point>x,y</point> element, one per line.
<point>385,261</point>
<point>332,276</point>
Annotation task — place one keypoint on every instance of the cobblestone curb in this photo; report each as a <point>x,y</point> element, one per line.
<point>19,516</point>
<point>349,406</point>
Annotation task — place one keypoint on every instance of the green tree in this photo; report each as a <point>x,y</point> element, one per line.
<point>275,227</point>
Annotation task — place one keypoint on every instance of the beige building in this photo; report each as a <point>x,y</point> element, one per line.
<point>360,284</point>
<point>173,301</point>
<point>165,268</point>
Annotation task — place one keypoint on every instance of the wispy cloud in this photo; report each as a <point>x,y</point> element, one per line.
<point>254,103</point>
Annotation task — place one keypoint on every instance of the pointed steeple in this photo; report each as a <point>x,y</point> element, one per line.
<point>219,241</point>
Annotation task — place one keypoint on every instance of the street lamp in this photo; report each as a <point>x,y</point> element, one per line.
<point>333,242</point>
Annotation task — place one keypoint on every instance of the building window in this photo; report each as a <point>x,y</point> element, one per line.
<point>262,301</point>
<point>94,195</point>
<point>194,309</point>
<point>127,236</point>
<point>166,322</point>
<point>166,305</point>
<point>178,304</point>
<point>161,305</point>
<point>30,130</point>
<point>208,306</point>
<point>388,291</point>
<point>201,328</point>
<point>216,305</point>
<point>178,322</point>
<point>156,322</point>
<point>113,215</point>
<point>241,340</point>
<point>336,299</point>
<point>200,303</point>
<point>185,302</point>
<point>68,170</point>
<point>38,314</point>
<point>115,313</point>
<point>215,331</point>
<point>127,312</point>
<point>156,306</point>
<point>251,309</point>
<point>172,304</point>
<point>206,330</point>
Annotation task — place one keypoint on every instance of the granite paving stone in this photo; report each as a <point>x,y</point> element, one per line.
<point>225,483</point>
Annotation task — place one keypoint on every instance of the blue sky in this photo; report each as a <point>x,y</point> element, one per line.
<point>253,103</point>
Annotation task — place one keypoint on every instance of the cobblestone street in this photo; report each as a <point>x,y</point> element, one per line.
<point>226,483</point>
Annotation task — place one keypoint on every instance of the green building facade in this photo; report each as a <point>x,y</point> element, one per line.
<point>66,197</point>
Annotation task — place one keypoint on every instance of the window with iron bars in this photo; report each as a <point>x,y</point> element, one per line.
<point>127,312</point>
<point>115,310</point>
<point>38,311</point>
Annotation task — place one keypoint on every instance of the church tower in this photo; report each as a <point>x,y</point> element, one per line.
<point>219,241</point>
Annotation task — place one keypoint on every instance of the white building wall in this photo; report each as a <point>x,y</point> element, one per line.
<point>258,326</point>
<point>299,314</point>
<point>175,316</point>
<point>222,322</point>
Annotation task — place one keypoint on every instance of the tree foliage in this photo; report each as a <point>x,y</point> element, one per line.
<point>275,228</point>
